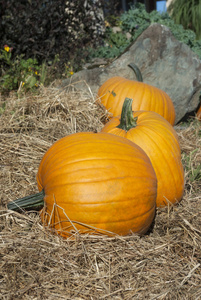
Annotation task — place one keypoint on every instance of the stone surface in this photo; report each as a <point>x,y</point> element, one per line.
<point>164,62</point>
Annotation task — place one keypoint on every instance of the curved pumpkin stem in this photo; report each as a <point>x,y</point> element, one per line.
<point>29,202</point>
<point>127,120</point>
<point>138,74</point>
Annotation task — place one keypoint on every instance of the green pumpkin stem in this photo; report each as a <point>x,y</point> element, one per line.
<point>138,74</point>
<point>127,120</point>
<point>35,201</point>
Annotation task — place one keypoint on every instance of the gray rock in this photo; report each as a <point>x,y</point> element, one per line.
<point>164,62</point>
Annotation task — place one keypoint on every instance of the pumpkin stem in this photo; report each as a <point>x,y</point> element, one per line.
<point>127,120</point>
<point>35,201</point>
<point>138,74</point>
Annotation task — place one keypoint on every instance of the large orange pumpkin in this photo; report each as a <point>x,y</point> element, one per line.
<point>96,181</point>
<point>159,140</point>
<point>146,97</point>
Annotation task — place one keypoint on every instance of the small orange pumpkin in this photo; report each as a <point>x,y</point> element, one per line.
<point>146,97</point>
<point>95,182</point>
<point>198,113</point>
<point>159,140</point>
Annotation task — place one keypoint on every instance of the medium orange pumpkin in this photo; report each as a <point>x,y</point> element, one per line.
<point>96,181</point>
<point>146,97</point>
<point>159,140</point>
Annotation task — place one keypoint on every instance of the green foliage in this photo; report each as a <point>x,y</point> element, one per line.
<point>194,171</point>
<point>26,74</point>
<point>135,21</point>
<point>115,44</point>
<point>19,72</point>
<point>187,13</point>
<point>2,108</point>
<point>42,29</point>
<point>137,17</point>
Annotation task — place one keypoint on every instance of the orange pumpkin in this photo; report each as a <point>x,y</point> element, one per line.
<point>96,182</point>
<point>146,97</point>
<point>198,113</point>
<point>159,140</point>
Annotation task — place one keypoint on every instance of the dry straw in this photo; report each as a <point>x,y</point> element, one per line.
<point>163,264</point>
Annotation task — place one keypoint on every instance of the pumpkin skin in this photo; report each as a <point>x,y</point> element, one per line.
<point>159,140</point>
<point>198,113</point>
<point>146,97</point>
<point>97,180</point>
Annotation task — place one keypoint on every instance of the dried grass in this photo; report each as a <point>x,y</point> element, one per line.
<point>163,264</point>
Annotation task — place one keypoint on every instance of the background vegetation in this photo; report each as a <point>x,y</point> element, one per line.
<point>44,40</point>
<point>187,13</point>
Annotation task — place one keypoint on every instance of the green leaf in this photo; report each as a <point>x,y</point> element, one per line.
<point>31,81</point>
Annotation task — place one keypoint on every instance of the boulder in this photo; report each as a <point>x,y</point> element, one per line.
<point>164,62</point>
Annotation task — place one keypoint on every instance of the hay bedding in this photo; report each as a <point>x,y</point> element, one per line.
<point>163,264</point>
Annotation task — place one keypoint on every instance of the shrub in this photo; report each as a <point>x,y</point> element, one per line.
<point>19,72</point>
<point>135,21</point>
<point>43,29</point>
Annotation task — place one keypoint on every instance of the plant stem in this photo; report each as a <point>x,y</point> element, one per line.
<point>137,72</point>
<point>29,202</point>
<point>127,120</point>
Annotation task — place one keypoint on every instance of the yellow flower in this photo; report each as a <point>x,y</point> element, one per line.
<point>6,48</point>
<point>107,24</point>
<point>22,83</point>
<point>36,72</point>
<point>71,73</point>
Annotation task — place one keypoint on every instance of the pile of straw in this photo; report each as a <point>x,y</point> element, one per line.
<point>163,264</point>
